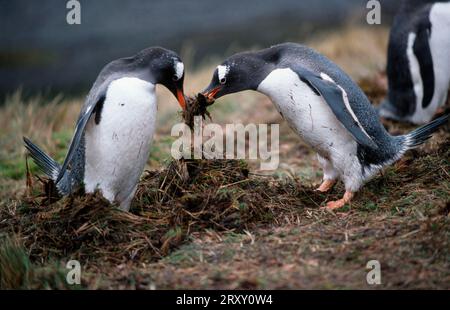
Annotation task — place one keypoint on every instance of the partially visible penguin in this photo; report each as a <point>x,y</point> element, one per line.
<point>418,64</point>
<point>324,107</point>
<point>114,131</point>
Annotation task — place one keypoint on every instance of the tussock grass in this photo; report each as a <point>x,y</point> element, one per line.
<point>14,265</point>
<point>18,272</point>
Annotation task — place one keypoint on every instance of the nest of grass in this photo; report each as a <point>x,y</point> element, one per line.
<point>186,197</point>
<point>196,106</point>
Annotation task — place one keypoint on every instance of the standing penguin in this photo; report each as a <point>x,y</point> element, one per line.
<point>418,65</point>
<point>114,131</point>
<point>323,106</point>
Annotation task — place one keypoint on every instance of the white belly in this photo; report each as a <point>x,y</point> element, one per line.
<point>440,50</point>
<point>309,116</point>
<point>118,147</point>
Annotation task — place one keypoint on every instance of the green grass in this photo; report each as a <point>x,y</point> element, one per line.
<point>160,151</point>
<point>18,272</point>
<point>14,168</point>
<point>15,265</point>
<point>187,255</point>
<point>61,141</point>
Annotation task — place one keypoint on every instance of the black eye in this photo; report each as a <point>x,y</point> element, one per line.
<point>175,77</point>
<point>223,80</point>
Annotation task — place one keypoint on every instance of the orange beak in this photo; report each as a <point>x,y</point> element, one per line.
<point>181,99</point>
<point>212,93</point>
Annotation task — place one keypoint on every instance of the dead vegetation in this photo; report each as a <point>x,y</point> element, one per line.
<point>196,106</point>
<point>218,225</point>
<point>401,218</point>
<point>186,197</point>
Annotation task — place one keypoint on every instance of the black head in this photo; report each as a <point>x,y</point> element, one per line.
<point>162,66</point>
<point>243,71</point>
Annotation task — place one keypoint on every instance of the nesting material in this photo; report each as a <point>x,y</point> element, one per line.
<point>196,106</point>
<point>186,197</point>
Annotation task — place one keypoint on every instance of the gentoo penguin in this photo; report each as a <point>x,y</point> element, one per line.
<point>114,131</point>
<point>323,106</point>
<point>418,65</point>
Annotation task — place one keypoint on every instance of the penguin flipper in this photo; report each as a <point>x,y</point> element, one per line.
<point>89,108</point>
<point>422,51</point>
<point>333,96</point>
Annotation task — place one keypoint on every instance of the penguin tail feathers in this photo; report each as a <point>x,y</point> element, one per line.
<point>47,164</point>
<point>422,134</point>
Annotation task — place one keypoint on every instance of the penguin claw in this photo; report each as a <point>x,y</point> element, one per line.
<point>333,205</point>
<point>326,186</point>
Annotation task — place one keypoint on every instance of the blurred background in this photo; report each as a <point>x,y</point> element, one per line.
<point>40,52</point>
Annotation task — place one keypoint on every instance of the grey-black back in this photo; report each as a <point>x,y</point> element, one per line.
<point>292,53</point>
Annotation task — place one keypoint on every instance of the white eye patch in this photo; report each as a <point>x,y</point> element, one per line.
<point>179,69</point>
<point>222,72</point>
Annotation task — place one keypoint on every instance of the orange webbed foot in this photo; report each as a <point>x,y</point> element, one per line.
<point>333,205</point>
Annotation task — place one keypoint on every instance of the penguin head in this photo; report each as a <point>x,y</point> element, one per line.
<point>165,67</point>
<point>243,71</point>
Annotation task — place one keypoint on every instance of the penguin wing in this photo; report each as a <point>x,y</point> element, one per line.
<point>422,51</point>
<point>92,102</point>
<point>334,97</point>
